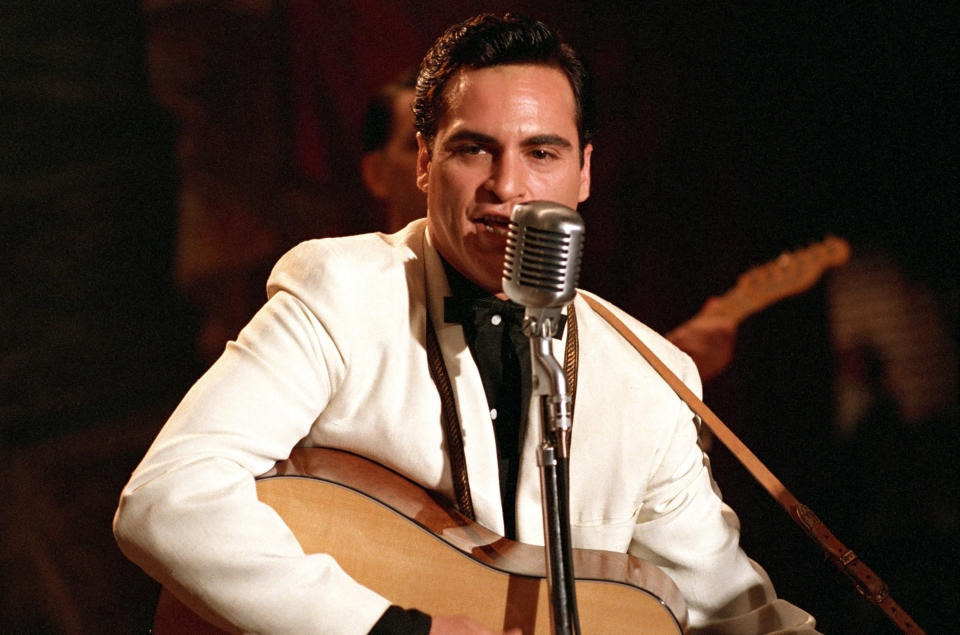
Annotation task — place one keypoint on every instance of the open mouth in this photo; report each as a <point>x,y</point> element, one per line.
<point>495,225</point>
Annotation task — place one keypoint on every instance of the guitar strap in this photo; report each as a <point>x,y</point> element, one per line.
<point>448,406</point>
<point>865,580</point>
<point>451,424</point>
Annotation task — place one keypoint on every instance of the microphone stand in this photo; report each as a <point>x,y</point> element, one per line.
<point>551,404</point>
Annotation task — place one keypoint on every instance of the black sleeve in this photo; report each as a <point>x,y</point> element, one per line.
<point>399,621</point>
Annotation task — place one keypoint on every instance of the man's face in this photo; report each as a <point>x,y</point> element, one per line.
<point>509,135</point>
<point>390,172</point>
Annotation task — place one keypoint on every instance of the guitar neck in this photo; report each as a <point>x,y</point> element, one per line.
<point>787,275</point>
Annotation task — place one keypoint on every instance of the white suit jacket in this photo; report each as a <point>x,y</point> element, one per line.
<point>337,358</point>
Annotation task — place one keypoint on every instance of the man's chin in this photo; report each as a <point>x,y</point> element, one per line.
<point>489,278</point>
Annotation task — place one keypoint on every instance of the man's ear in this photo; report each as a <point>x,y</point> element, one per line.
<point>585,173</point>
<point>371,169</point>
<point>423,163</point>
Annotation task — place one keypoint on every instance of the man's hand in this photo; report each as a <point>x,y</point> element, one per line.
<point>461,624</point>
<point>708,337</point>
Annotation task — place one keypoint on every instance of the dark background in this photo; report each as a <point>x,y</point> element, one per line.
<point>158,157</point>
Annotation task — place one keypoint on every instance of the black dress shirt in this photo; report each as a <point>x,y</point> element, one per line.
<point>492,329</point>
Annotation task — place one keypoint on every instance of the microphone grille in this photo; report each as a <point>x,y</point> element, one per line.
<point>541,266</point>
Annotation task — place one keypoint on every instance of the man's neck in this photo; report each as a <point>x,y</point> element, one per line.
<point>463,287</point>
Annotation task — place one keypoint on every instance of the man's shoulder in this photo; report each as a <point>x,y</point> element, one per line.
<point>346,261</point>
<point>349,251</point>
<point>676,359</point>
<point>589,299</point>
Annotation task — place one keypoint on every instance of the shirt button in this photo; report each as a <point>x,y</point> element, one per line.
<point>493,414</point>
<point>495,319</point>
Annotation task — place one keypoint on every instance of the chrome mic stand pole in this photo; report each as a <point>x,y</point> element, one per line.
<point>550,403</point>
<point>540,270</point>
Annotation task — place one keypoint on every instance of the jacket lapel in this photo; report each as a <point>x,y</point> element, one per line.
<point>479,444</point>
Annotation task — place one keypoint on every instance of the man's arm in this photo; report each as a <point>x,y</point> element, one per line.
<point>685,528</point>
<point>190,516</point>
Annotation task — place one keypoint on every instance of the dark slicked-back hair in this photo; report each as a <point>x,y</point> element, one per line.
<point>492,40</point>
<point>378,118</point>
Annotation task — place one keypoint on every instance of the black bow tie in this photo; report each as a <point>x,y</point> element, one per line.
<point>458,310</point>
<point>461,310</point>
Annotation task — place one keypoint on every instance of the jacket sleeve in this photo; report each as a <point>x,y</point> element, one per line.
<point>190,516</point>
<point>684,527</point>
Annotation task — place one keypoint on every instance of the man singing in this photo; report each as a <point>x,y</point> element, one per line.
<point>338,357</point>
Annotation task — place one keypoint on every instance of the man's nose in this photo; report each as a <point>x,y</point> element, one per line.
<point>508,178</point>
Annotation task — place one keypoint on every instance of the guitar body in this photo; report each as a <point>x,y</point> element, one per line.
<point>408,545</point>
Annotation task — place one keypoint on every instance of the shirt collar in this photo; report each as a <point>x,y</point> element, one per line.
<point>469,298</point>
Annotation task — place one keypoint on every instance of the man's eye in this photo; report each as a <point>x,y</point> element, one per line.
<point>541,155</point>
<point>467,149</point>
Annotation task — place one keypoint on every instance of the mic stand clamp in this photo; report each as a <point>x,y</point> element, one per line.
<point>550,406</point>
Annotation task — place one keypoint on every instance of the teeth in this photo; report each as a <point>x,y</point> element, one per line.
<point>499,230</point>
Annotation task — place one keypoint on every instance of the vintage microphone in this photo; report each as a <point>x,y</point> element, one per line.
<point>540,272</point>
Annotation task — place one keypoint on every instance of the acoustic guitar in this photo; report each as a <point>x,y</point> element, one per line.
<point>412,547</point>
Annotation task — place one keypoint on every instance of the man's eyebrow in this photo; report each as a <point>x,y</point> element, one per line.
<point>487,140</point>
<point>470,135</point>
<point>548,140</point>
